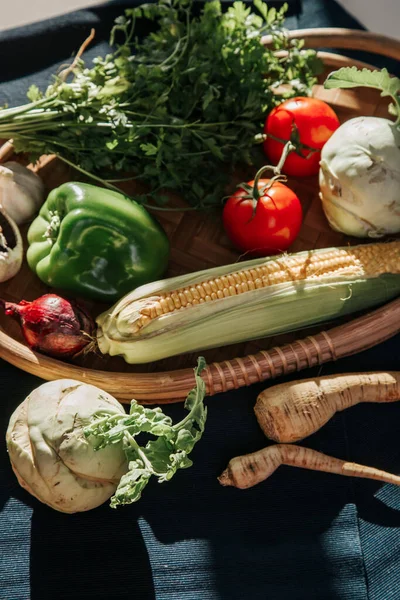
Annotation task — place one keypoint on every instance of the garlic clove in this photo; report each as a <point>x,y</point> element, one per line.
<point>11,248</point>
<point>22,191</point>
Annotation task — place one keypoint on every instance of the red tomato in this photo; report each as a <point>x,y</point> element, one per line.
<point>314,121</point>
<point>273,226</point>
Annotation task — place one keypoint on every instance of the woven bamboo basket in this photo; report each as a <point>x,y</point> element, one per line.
<point>198,242</point>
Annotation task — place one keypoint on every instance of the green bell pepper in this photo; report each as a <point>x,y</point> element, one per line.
<point>95,243</point>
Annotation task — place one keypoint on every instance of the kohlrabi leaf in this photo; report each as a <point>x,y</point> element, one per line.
<point>160,457</point>
<point>130,486</point>
<point>350,77</point>
<point>110,429</point>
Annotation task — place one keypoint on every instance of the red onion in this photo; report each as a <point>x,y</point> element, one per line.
<point>53,325</point>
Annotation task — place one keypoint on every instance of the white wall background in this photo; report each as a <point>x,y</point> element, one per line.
<point>14,13</point>
<point>379,16</point>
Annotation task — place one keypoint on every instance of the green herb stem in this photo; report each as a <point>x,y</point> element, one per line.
<point>106,183</point>
<point>6,113</point>
<point>179,107</point>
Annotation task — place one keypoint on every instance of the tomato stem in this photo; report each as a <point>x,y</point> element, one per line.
<point>299,146</point>
<point>287,149</point>
<point>277,171</point>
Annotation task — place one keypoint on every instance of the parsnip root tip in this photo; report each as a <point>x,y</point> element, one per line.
<point>225,479</point>
<point>248,470</point>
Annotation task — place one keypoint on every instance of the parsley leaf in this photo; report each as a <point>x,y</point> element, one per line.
<point>184,103</point>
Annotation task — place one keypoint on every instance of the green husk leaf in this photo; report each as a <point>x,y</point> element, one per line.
<point>262,312</point>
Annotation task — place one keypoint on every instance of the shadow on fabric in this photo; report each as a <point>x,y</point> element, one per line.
<point>99,554</point>
<point>299,535</point>
<point>87,555</point>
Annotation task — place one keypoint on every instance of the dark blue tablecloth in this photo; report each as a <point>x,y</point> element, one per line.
<point>298,536</point>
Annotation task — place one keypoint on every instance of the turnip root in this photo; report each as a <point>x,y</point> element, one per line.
<point>246,471</point>
<point>292,411</point>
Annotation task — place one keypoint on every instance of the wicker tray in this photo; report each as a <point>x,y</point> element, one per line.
<point>198,242</point>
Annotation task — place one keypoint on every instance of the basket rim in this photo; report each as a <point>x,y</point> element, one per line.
<point>172,386</point>
<point>345,39</point>
<point>374,327</point>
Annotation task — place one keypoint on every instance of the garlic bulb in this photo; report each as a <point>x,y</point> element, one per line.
<point>11,248</point>
<point>21,192</point>
<point>50,455</point>
<point>360,178</point>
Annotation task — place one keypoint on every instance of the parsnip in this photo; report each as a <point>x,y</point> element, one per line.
<point>292,411</point>
<point>246,471</point>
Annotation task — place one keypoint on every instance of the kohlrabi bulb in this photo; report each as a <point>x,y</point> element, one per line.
<point>49,453</point>
<point>360,178</point>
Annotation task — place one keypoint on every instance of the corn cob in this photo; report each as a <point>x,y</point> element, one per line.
<point>263,297</point>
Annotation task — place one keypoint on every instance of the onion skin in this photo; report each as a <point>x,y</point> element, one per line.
<point>53,325</point>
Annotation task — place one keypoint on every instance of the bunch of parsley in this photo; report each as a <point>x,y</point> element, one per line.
<point>177,109</point>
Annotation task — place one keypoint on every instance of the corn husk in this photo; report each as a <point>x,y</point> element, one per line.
<point>251,315</point>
